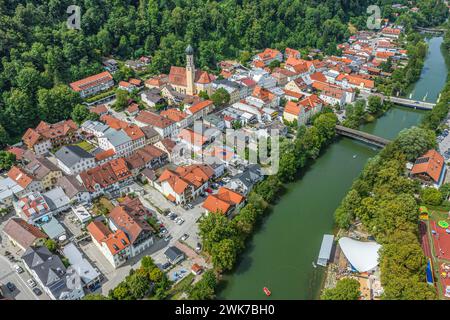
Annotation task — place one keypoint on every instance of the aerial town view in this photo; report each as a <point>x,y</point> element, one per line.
<point>224,150</point>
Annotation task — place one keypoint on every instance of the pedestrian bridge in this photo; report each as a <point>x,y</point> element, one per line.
<point>362,136</point>
<point>431,30</point>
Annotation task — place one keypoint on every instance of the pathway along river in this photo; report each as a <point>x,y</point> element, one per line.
<point>281,253</point>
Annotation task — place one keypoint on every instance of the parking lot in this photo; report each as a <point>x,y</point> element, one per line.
<point>444,143</point>
<point>156,202</point>
<point>8,273</point>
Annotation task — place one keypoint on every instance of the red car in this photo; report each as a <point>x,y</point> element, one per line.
<point>209,190</point>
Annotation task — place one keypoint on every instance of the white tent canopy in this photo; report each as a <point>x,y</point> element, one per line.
<point>363,256</point>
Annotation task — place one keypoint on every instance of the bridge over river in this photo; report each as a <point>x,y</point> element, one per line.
<point>362,136</point>
<point>416,104</point>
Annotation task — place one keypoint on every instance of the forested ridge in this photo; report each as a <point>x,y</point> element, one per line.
<point>39,55</point>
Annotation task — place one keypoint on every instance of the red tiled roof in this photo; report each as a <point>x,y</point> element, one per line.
<point>20,176</point>
<point>174,114</point>
<point>45,131</point>
<point>200,106</point>
<point>431,163</point>
<point>101,109</point>
<point>113,122</point>
<point>91,81</point>
<point>222,201</point>
<point>105,155</point>
<point>154,119</point>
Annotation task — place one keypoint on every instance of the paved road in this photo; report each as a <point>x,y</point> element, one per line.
<point>152,200</point>
<point>8,274</point>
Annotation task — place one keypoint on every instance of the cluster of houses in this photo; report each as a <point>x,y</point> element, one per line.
<point>65,166</point>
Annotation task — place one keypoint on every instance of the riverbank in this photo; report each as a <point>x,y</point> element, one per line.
<point>389,276</point>
<point>281,252</point>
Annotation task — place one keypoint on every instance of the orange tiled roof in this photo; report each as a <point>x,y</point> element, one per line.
<point>91,81</point>
<point>20,176</point>
<point>431,163</point>
<point>174,114</point>
<point>113,122</point>
<point>104,155</point>
<point>268,54</point>
<point>192,137</point>
<point>126,221</point>
<point>45,131</point>
<point>134,132</point>
<point>292,107</point>
<point>200,106</point>
<point>154,119</point>
<point>222,201</point>
<point>318,76</point>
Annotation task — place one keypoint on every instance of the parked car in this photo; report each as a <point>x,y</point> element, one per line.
<point>190,206</point>
<point>180,221</point>
<point>209,190</point>
<point>198,248</point>
<point>11,287</point>
<point>37,291</point>
<point>166,265</point>
<point>18,268</point>
<point>167,239</point>
<point>184,237</point>
<point>7,253</point>
<point>31,283</point>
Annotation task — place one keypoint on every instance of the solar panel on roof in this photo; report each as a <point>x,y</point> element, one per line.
<point>422,160</point>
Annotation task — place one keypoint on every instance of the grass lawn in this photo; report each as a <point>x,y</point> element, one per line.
<point>177,290</point>
<point>102,206</point>
<point>86,146</point>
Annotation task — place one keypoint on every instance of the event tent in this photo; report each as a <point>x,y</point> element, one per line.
<point>363,256</point>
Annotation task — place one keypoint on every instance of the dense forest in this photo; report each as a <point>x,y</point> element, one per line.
<point>40,55</point>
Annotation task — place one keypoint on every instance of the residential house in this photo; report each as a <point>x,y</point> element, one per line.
<point>244,182</point>
<point>73,159</point>
<point>43,170</point>
<point>139,232</point>
<point>184,184</point>
<point>174,255</point>
<point>151,135</point>
<point>169,147</point>
<point>181,118</point>
<point>48,136</point>
<point>263,98</point>
<point>430,169</point>
<point>200,109</point>
<point>147,157</point>
<point>152,97</point>
<point>268,56</point>
<point>22,234</point>
<point>26,181</point>
<point>90,277</point>
<point>108,178</point>
<point>158,81</point>
<point>225,201</point>
<point>115,246</point>
<point>116,140</point>
<point>51,274</point>
<point>164,126</point>
<point>74,189</point>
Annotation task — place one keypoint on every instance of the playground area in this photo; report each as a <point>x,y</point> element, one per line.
<point>435,235</point>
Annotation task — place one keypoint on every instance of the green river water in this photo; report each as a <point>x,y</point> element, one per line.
<point>280,254</point>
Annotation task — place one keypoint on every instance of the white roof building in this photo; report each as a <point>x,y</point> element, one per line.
<point>363,256</point>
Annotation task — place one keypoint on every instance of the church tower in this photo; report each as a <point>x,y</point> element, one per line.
<point>190,70</point>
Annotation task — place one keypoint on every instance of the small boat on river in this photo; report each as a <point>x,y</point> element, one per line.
<point>267,291</point>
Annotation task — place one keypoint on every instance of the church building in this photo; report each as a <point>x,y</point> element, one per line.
<point>189,80</point>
